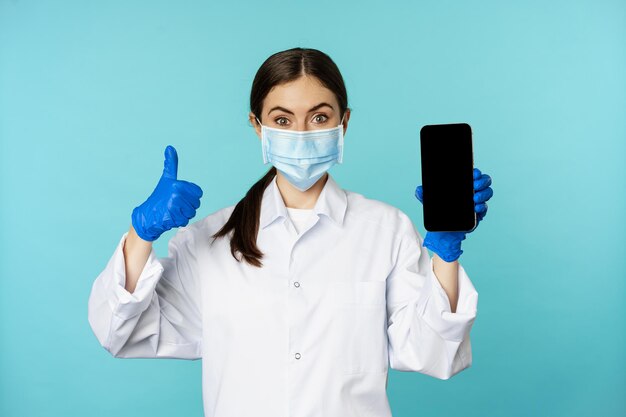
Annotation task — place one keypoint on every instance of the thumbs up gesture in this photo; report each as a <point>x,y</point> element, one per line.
<point>172,203</point>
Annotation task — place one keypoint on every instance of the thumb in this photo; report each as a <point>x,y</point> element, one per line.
<point>419,193</point>
<point>170,166</point>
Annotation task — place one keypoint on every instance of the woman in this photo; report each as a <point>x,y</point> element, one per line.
<point>302,295</point>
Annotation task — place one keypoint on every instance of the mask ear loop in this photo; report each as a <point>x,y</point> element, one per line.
<point>340,141</point>
<point>263,141</point>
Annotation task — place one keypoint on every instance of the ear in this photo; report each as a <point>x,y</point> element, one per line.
<point>255,124</point>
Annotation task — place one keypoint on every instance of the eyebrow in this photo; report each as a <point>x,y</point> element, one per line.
<point>310,110</point>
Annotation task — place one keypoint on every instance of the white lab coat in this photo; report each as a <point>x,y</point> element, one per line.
<point>314,331</point>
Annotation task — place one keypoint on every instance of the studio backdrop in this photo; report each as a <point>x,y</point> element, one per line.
<point>91,93</point>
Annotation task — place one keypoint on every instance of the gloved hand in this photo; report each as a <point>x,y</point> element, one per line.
<point>448,244</point>
<point>172,203</point>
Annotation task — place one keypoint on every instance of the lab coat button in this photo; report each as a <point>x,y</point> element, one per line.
<point>297,356</point>
<point>296,284</point>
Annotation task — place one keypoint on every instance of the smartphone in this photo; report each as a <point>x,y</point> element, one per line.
<point>448,177</point>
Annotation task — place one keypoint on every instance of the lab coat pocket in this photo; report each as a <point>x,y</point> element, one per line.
<point>361,317</point>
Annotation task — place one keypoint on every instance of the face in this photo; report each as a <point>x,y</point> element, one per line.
<point>303,104</point>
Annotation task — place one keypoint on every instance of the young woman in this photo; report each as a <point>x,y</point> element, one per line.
<point>299,297</point>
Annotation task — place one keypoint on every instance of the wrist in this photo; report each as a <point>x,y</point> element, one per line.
<point>134,239</point>
<point>447,245</point>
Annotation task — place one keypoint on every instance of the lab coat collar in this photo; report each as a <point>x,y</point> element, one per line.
<point>332,202</point>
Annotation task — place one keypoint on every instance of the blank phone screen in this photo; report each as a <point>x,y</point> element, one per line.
<point>447,177</point>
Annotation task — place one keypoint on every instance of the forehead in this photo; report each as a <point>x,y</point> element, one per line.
<point>299,95</point>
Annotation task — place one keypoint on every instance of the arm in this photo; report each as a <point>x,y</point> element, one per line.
<point>136,252</point>
<point>447,273</point>
<point>424,334</point>
<point>162,317</point>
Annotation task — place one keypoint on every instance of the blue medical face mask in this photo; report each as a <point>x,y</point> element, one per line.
<point>302,156</point>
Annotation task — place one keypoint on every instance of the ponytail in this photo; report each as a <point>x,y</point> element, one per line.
<point>244,222</point>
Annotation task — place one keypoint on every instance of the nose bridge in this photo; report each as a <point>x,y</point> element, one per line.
<point>301,123</point>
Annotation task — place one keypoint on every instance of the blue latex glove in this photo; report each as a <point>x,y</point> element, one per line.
<point>172,203</point>
<point>448,244</point>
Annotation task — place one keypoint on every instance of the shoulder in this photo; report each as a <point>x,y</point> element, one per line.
<point>378,213</point>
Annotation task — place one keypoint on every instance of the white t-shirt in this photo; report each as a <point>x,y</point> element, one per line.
<point>300,217</point>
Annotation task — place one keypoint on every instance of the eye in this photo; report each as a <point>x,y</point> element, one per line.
<point>320,115</point>
<point>278,121</point>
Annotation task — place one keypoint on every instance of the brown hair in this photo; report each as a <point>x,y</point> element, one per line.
<point>279,68</point>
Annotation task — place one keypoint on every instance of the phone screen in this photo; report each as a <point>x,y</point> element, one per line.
<point>448,177</point>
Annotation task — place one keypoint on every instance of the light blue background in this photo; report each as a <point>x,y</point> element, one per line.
<point>92,92</point>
